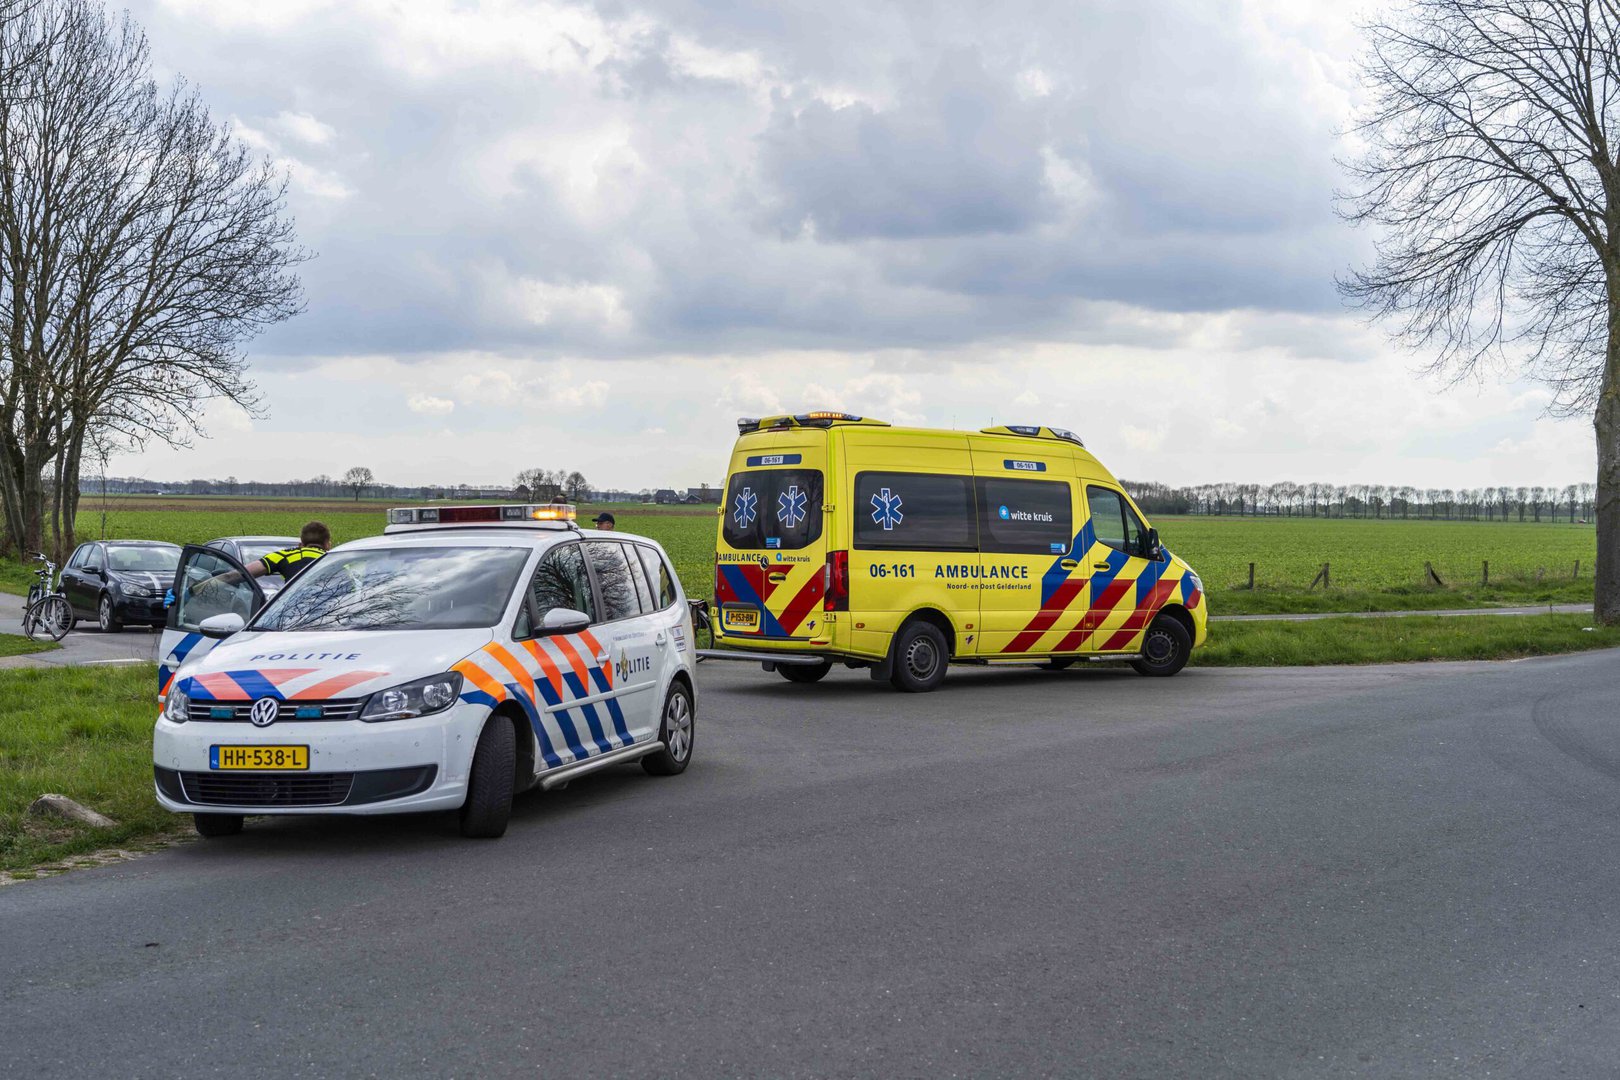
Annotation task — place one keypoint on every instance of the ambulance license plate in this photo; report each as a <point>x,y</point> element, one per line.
<point>257,758</point>
<point>740,618</point>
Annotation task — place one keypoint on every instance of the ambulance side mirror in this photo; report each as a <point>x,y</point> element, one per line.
<point>564,621</point>
<point>1153,549</point>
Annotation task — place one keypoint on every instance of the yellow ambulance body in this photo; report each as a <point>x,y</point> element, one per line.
<point>844,539</point>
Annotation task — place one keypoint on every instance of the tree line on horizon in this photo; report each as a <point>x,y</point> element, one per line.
<point>1570,503</point>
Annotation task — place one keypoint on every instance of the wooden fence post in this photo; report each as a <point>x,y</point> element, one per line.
<point>1485,577</point>
<point>1577,572</point>
<point>1434,577</point>
<point>1321,577</point>
<point>1251,577</point>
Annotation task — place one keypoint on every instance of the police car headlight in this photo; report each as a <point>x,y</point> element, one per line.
<point>176,706</point>
<point>435,693</point>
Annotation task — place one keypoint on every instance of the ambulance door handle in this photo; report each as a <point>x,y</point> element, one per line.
<point>776,578</point>
<point>1099,566</point>
<point>1068,564</point>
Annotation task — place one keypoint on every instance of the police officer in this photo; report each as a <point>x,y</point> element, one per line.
<point>604,521</point>
<point>314,540</point>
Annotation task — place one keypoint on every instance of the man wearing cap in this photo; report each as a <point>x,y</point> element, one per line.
<point>604,521</point>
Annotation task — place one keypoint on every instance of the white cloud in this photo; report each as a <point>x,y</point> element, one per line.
<point>304,128</point>
<point>428,405</point>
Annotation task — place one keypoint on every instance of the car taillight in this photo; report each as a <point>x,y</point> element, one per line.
<point>837,591</point>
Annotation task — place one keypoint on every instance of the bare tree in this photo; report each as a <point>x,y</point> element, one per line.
<point>357,480</point>
<point>1491,167</point>
<point>140,244</point>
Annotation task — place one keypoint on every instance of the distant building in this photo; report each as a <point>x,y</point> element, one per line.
<point>704,494</point>
<point>666,496</point>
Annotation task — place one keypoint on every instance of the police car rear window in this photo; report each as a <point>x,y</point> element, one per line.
<point>773,508</point>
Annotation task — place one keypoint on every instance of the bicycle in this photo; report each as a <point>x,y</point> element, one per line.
<point>48,610</point>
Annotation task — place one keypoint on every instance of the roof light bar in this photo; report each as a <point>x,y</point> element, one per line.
<point>546,515</point>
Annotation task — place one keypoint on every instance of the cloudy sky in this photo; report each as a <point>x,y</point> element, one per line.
<point>592,235</point>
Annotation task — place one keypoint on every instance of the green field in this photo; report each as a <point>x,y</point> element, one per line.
<point>1375,565</point>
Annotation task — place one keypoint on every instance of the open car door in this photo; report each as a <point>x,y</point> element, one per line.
<point>207,582</point>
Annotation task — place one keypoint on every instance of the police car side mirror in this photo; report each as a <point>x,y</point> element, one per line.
<point>221,626</point>
<point>564,621</point>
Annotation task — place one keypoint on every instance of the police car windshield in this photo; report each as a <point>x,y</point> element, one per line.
<point>398,588</point>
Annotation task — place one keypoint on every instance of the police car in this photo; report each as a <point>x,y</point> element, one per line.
<point>467,654</point>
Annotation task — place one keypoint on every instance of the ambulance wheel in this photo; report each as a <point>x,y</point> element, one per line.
<point>1166,648</point>
<point>489,786</point>
<point>804,673</point>
<point>216,825</point>
<point>676,731</point>
<point>920,657</point>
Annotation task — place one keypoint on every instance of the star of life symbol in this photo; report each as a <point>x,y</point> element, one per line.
<point>264,712</point>
<point>747,508</point>
<point>886,509</point>
<point>790,507</point>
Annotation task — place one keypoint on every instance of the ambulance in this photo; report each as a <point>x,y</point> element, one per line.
<point>903,550</point>
<point>469,653</point>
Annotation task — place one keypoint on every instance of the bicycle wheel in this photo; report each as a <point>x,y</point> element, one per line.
<point>54,615</point>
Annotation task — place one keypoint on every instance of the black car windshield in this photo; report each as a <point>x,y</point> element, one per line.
<point>146,558</point>
<point>399,588</point>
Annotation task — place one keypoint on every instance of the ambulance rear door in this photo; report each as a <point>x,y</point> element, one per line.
<point>771,555</point>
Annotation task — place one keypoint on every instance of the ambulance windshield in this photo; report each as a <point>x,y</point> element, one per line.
<point>403,588</point>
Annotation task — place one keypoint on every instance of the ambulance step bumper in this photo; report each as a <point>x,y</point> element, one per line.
<point>781,659</point>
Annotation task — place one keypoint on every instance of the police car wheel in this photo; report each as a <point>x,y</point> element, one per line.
<point>804,673</point>
<point>216,825</point>
<point>1165,648</point>
<point>676,731</point>
<point>489,784</point>
<point>106,618</point>
<point>920,657</point>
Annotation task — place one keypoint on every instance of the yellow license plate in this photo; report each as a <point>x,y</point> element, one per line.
<point>258,758</point>
<point>740,618</point>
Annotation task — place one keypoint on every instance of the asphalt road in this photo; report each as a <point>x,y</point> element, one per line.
<point>85,644</point>
<point>1312,872</point>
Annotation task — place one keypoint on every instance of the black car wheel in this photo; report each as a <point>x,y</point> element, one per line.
<point>920,657</point>
<point>107,616</point>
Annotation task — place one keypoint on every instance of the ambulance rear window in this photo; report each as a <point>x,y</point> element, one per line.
<point>773,509</point>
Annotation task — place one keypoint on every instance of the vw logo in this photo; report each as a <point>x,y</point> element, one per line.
<point>264,711</point>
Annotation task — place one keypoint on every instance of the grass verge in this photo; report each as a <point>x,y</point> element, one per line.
<point>87,734</point>
<point>1386,641</point>
<point>1278,601</point>
<point>17,645</point>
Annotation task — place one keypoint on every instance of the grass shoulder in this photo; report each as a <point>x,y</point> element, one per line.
<point>17,645</point>
<point>85,733</point>
<point>1285,601</point>
<point>1398,640</point>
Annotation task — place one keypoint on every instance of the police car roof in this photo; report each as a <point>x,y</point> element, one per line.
<point>488,536</point>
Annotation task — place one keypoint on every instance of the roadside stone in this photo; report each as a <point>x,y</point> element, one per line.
<point>60,806</point>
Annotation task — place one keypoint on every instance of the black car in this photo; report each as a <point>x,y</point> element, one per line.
<point>120,581</point>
